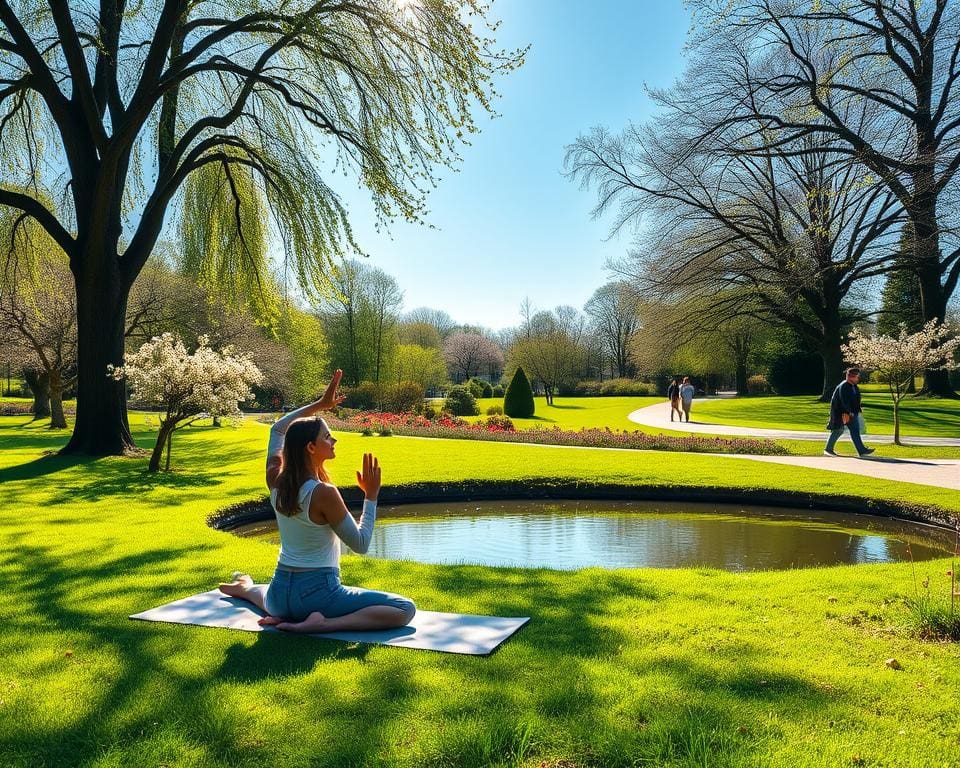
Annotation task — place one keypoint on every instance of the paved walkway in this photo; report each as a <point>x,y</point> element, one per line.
<point>940,473</point>
<point>658,417</point>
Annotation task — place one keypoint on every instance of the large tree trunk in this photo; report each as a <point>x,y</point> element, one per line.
<point>741,377</point>
<point>101,427</point>
<point>832,357</point>
<point>933,299</point>
<point>57,419</point>
<point>39,383</point>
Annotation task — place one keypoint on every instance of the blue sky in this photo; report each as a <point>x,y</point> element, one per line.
<point>507,223</point>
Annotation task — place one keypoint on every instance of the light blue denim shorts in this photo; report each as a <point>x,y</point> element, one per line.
<point>293,595</point>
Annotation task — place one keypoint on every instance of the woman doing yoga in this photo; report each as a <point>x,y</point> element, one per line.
<point>305,594</point>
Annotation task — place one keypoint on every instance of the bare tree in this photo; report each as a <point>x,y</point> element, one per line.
<point>108,108</point>
<point>793,229</point>
<point>551,350</point>
<point>876,79</point>
<point>613,316</point>
<point>435,317</point>
<point>385,298</point>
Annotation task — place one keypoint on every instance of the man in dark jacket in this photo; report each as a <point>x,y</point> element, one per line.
<point>844,409</point>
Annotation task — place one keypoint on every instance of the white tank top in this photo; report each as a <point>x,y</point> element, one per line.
<point>303,543</point>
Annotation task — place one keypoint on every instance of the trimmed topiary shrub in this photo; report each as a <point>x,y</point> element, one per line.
<point>495,410</point>
<point>487,390</point>
<point>461,402</point>
<point>518,399</point>
<point>498,391</point>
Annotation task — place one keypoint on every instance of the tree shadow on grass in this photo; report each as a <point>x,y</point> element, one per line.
<point>469,711</point>
<point>188,706</point>
<point>45,465</point>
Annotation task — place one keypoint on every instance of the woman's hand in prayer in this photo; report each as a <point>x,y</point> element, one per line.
<point>369,477</point>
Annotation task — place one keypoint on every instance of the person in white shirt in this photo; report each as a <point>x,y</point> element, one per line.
<point>686,396</point>
<point>305,593</point>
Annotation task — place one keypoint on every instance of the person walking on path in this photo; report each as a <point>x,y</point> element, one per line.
<point>673,394</point>
<point>845,410</point>
<point>686,396</point>
<point>305,593</point>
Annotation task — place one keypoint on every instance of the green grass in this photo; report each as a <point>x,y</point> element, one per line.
<point>918,416</point>
<point>617,668</point>
<point>578,412</point>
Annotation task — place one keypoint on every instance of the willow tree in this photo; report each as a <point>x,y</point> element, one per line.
<point>108,108</point>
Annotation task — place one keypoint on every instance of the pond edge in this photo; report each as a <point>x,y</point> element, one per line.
<point>259,510</point>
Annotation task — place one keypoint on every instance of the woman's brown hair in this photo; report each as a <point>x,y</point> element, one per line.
<point>294,471</point>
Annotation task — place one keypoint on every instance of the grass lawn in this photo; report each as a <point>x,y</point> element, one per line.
<point>578,412</point>
<point>617,668</point>
<point>918,416</point>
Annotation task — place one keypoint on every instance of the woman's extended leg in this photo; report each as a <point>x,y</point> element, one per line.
<point>346,609</point>
<point>372,617</point>
<point>243,587</point>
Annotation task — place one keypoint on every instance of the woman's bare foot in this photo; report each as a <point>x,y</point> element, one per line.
<point>315,622</point>
<point>241,584</point>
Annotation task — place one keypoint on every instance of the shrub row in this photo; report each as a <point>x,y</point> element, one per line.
<point>615,388</point>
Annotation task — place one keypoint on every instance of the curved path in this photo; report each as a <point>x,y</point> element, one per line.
<point>940,473</point>
<point>658,417</point>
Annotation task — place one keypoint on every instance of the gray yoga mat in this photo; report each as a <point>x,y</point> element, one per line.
<point>446,632</point>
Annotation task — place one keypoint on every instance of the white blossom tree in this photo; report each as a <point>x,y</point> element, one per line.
<point>186,386</point>
<point>898,360</point>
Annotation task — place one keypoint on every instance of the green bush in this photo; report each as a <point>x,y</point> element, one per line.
<point>498,391</point>
<point>758,385</point>
<point>495,410</point>
<point>364,397</point>
<point>461,402</point>
<point>518,399</point>
<point>475,386</point>
<point>487,390</point>
<point>405,397</point>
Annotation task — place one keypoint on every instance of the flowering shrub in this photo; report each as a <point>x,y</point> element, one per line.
<point>898,359</point>
<point>501,429</point>
<point>186,386</point>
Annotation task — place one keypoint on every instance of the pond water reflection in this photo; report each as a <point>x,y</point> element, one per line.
<point>640,534</point>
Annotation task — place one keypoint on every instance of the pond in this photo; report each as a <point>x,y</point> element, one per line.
<point>639,534</point>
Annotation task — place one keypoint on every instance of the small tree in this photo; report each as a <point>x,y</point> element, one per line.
<point>897,360</point>
<point>518,399</point>
<point>186,386</point>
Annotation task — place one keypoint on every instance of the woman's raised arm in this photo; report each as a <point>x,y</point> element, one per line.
<point>330,399</point>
